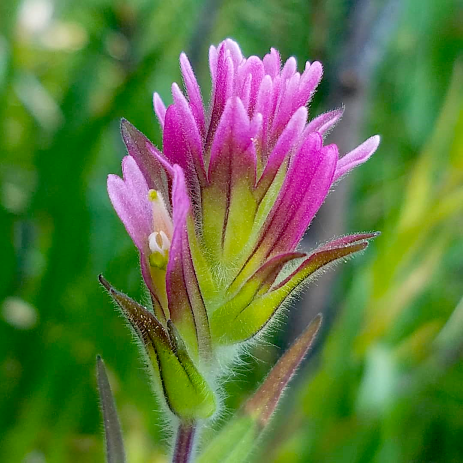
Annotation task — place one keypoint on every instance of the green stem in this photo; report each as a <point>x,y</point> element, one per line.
<point>184,444</point>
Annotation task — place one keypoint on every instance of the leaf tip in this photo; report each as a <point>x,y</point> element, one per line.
<point>263,403</point>
<point>104,282</point>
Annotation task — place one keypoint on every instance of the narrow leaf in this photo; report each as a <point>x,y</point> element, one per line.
<point>237,439</point>
<point>115,452</point>
<point>234,442</point>
<point>262,405</point>
<point>349,239</point>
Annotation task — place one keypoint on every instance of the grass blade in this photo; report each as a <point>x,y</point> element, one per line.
<point>115,452</point>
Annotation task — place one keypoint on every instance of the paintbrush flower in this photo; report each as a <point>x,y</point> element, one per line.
<point>217,216</point>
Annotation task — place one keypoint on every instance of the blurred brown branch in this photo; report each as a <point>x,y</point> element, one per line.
<point>370,29</point>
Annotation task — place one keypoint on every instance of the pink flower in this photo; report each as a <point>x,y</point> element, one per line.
<point>218,214</point>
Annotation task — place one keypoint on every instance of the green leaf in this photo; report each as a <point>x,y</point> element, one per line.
<point>237,439</point>
<point>115,452</point>
<point>262,405</point>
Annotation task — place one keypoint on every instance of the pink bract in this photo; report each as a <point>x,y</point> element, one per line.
<point>248,174</point>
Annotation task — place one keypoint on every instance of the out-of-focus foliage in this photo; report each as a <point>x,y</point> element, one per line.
<point>387,383</point>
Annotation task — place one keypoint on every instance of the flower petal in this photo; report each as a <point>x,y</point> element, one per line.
<point>234,50</point>
<point>324,123</point>
<point>233,146</point>
<point>357,156</point>
<point>194,93</point>
<point>213,57</point>
<point>265,106</point>
<point>177,150</point>
<point>129,198</point>
<point>285,108</point>
<point>308,84</point>
<point>289,68</point>
<point>305,188</point>
<point>286,143</point>
<point>190,132</point>
<point>186,305</point>
<point>159,109</point>
<point>253,67</point>
<point>272,63</point>
<point>222,90</point>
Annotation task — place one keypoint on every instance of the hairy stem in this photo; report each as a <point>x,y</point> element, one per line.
<point>184,444</point>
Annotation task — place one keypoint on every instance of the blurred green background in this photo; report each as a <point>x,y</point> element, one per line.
<point>385,381</point>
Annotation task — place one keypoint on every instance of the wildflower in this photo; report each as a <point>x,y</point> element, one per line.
<point>218,214</point>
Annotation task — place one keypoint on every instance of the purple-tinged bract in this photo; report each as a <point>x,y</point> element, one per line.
<point>217,216</point>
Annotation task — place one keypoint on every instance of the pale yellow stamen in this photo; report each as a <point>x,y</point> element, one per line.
<point>159,240</point>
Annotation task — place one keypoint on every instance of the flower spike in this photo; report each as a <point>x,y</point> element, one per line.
<point>218,214</point>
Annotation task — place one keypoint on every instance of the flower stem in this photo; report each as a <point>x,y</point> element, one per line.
<point>184,444</point>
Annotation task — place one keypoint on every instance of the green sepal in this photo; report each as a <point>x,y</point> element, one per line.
<point>158,279</point>
<point>259,283</point>
<point>236,242</point>
<point>193,379</point>
<point>247,266</point>
<point>212,225</point>
<point>264,277</point>
<point>227,226</point>
<point>202,268</point>
<point>145,324</point>
<point>246,322</point>
<point>240,218</point>
<point>186,392</point>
